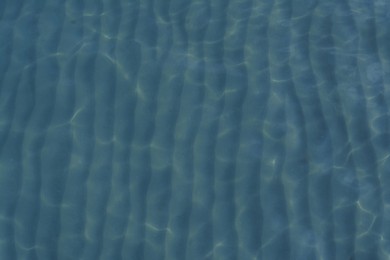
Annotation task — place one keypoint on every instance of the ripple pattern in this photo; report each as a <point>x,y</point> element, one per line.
<point>178,129</point>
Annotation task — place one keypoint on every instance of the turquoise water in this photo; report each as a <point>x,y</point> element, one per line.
<point>178,129</point>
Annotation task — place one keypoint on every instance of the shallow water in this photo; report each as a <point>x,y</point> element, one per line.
<point>198,129</point>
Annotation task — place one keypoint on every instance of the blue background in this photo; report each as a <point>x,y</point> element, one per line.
<point>203,129</point>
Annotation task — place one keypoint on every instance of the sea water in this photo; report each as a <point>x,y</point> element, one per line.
<point>194,129</point>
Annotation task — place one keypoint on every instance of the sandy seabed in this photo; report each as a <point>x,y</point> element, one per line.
<point>178,129</point>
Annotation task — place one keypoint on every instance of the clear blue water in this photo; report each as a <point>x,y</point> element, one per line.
<point>178,129</point>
